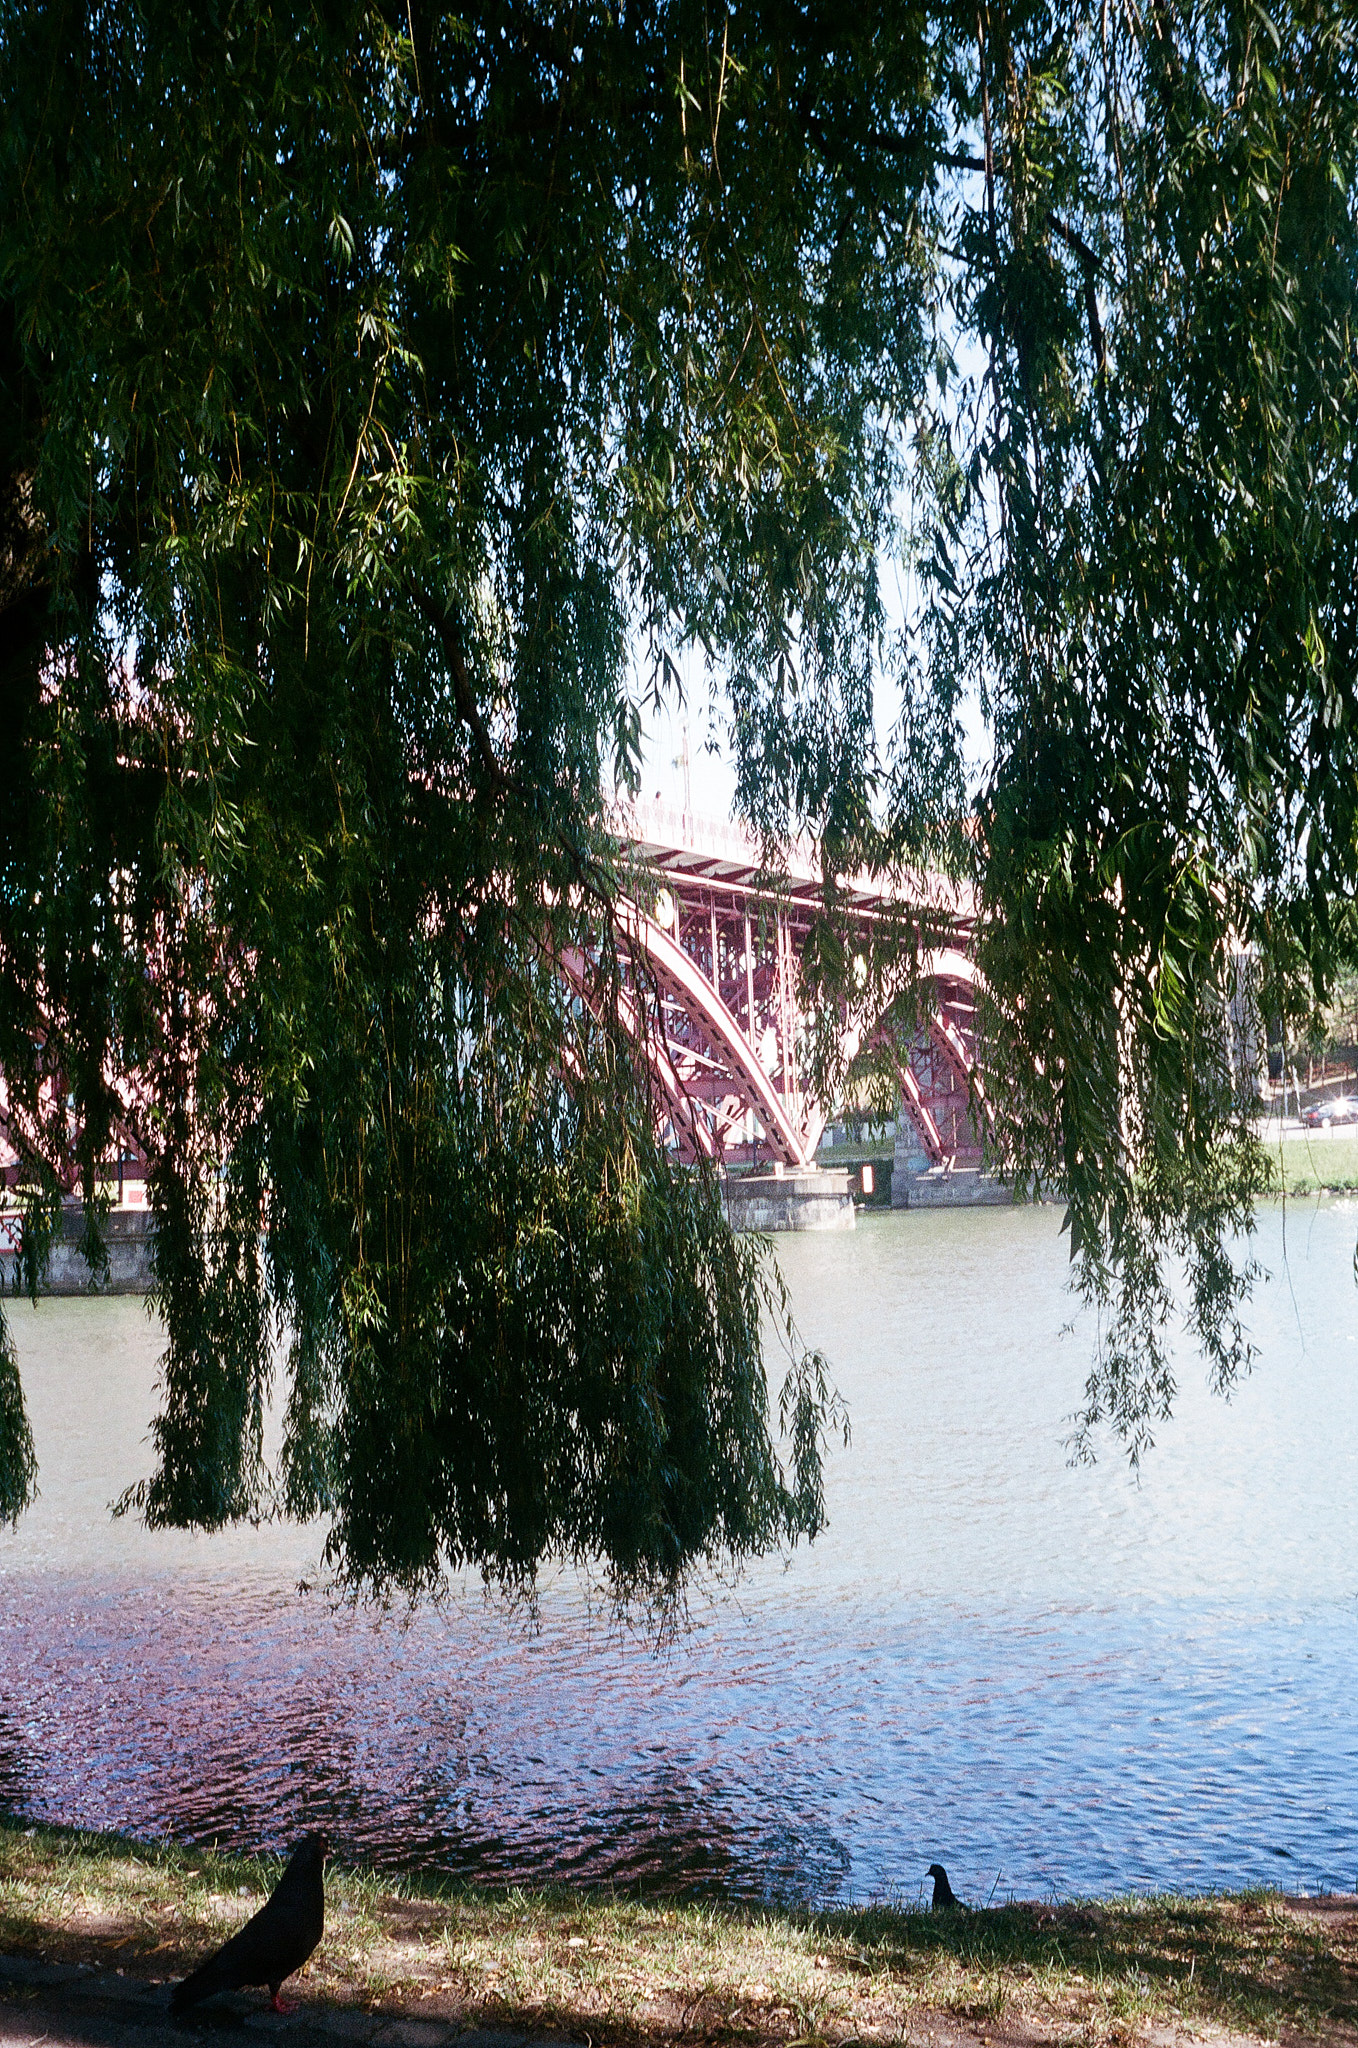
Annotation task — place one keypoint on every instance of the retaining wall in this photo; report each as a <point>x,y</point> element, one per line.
<point>942,1187</point>
<point>127,1233</point>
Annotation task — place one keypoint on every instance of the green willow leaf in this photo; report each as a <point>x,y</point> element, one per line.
<point>375,386</point>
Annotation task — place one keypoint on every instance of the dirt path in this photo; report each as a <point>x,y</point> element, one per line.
<point>66,2005</point>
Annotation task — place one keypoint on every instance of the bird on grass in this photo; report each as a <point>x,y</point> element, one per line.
<point>275,1942</point>
<point>945,1898</point>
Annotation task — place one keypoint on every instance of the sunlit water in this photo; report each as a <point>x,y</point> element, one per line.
<point>1057,1680</point>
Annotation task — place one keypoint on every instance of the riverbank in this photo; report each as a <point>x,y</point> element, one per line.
<point>1303,1163</point>
<point>1317,1162</point>
<point>617,1969</point>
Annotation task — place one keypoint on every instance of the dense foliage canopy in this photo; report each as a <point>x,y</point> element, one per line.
<point>373,380</point>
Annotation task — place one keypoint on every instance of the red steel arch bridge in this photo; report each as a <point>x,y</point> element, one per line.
<point>711,947</point>
<point>718,943</point>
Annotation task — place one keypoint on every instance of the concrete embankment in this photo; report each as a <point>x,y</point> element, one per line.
<point>948,1187</point>
<point>127,1234</point>
<point>817,1198</point>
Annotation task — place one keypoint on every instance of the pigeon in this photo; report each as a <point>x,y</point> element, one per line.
<point>945,1899</point>
<point>275,1942</point>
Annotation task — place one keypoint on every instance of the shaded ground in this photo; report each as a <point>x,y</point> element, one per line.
<point>65,2005</point>
<point>415,1965</point>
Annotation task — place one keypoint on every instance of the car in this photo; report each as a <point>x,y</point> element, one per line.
<point>1336,1109</point>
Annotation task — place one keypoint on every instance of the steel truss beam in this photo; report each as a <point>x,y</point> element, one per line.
<point>715,957</point>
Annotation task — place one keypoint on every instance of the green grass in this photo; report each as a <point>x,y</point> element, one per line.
<point>881,1151</point>
<point>655,1970</point>
<point>1309,1165</point>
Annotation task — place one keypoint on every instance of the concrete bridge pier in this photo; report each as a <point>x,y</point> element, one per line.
<point>812,1198</point>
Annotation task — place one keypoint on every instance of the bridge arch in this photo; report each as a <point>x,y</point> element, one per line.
<point>713,1058</point>
<point>942,1091</point>
<point>716,1009</point>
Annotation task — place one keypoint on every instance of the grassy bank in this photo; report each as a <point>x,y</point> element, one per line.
<point>656,1971</point>
<point>1309,1166</point>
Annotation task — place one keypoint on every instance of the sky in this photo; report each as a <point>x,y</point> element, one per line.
<point>697,729</point>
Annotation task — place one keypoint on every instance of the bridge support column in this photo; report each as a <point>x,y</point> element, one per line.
<point>818,1200</point>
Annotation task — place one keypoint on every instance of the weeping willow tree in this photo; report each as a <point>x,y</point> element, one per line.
<point>373,382</point>
<point>1146,561</point>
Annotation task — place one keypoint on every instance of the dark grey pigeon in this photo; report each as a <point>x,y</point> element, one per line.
<point>276,1941</point>
<point>945,1898</point>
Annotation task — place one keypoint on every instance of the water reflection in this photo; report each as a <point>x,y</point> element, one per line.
<point>1052,1679</point>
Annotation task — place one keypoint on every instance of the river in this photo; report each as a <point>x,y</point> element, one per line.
<point>1059,1681</point>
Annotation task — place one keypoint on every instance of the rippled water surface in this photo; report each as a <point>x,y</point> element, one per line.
<point>1055,1679</point>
